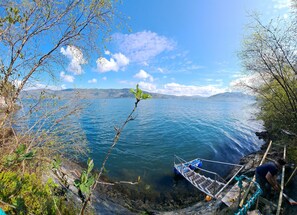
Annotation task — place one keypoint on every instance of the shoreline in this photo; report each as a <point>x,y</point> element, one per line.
<point>109,198</point>
<point>134,199</point>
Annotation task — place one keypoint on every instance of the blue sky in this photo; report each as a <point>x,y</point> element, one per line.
<point>174,47</point>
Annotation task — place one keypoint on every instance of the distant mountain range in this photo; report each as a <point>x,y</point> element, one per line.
<point>122,93</point>
<point>230,96</point>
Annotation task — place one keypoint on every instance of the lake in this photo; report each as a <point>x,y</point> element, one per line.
<point>217,129</point>
<point>189,128</point>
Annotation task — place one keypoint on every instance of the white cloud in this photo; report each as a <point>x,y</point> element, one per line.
<point>104,65</point>
<point>121,59</point>
<point>67,78</point>
<point>117,61</point>
<point>104,78</point>
<point>147,86</point>
<point>182,90</point>
<point>280,4</point>
<point>76,58</point>
<point>126,82</point>
<point>286,16</point>
<point>144,75</point>
<point>92,81</point>
<point>160,70</point>
<point>190,90</point>
<point>143,46</point>
<point>107,52</point>
<point>37,86</point>
<point>245,82</point>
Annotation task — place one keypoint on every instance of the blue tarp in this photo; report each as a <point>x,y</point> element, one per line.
<point>2,212</point>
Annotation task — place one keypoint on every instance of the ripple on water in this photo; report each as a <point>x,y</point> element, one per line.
<point>163,128</point>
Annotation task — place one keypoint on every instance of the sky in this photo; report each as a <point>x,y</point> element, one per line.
<point>171,47</point>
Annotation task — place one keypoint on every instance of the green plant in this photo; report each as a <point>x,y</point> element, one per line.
<point>26,194</point>
<point>139,95</point>
<point>86,180</point>
<point>56,164</point>
<point>19,155</point>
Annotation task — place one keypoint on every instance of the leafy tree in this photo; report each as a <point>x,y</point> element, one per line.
<point>269,55</point>
<point>33,32</point>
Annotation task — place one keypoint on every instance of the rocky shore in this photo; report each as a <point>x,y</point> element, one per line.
<point>117,198</point>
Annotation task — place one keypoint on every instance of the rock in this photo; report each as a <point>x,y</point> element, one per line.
<point>262,135</point>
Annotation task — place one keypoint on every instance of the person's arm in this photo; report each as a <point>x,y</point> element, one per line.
<point>272,180</point>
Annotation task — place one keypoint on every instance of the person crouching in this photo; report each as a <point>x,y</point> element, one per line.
<point>266,175</point>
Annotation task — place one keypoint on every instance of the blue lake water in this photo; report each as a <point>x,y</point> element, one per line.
<point>189,128</point>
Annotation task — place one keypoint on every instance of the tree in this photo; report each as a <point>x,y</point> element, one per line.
<point>269,55</point>
<point>32,35</point>
<point>33,32</point>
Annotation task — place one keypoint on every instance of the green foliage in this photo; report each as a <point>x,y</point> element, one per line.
<point>56,164</point>
<point>12,16</point>
<point>268,55</point>
<point>139,95</point>
<point>27,193</point>
<point>292,150</point>
<point>292,154</point>
<point>18,156</point>
<point>277,105</point>
<point>86,180</point>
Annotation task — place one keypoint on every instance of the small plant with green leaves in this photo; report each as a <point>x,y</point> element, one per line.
<point>139,95</point>
<point>86,180</point>
<point>19,155</point>
<point>56,164</point>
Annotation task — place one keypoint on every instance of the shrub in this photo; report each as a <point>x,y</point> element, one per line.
<point>27,193</point>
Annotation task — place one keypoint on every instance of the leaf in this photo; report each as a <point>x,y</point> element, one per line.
<point>139,95</point>
<point>132,91</point>
<point>84,189</point>
<point>90,165</point>
<point>76,182</point>
<point>84,177</point>
<point>21,149</point>
<point>29,155</point>
<point>57,163</point>
<point>146,96</point>
<point>90,182</point>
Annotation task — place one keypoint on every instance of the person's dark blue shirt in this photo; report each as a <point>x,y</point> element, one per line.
<point>265,168</point>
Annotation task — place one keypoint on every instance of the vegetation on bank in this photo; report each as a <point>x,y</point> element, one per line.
<point>269,59</point>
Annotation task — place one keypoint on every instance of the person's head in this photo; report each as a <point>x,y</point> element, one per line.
<point>281,162</point>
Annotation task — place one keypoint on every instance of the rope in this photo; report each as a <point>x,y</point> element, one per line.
<point>252,200</point>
